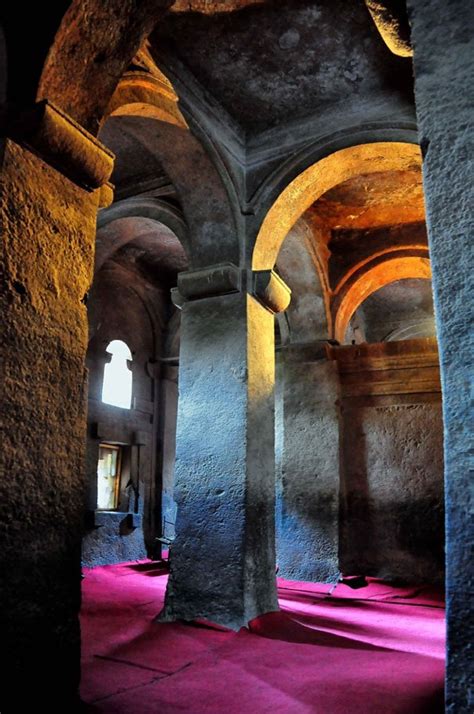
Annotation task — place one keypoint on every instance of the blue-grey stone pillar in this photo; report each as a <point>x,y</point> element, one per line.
<point>443,44</point>
<point>223,558</point>
<point>308,477</point>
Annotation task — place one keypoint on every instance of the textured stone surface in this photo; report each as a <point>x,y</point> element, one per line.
<point>392,492</point>
<point>267,91</point>
<point>298,267</point>
<point>48,228</point>
<point>197,183</point>
<point>112,540</point>
<point>308,484</point>
<point>268,64</point>
<point>443,74</point>
<point>223,559</point>
<point>391,20</point>
<point>92,48</point>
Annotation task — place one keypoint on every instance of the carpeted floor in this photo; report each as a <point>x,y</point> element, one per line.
<point>375,650</point>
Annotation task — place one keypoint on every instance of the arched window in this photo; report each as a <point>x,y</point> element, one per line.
<point>117,386</point>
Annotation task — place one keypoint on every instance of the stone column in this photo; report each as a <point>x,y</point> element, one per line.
<point>51,174</point>
<point>443,62</point>
<point>223,558</point>
<point>308,483</point>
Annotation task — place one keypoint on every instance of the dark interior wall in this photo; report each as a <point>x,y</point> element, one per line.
<point>392,496</point>
<point>392,515</point>
<point>123,306</point>
<point>307,439</point>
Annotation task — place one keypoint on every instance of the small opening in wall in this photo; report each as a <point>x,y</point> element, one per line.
<point>108,476</point>
<point>117,386</point>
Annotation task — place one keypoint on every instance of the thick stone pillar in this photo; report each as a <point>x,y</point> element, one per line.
<point>443,46</point>
<point>308,482</point>
<point>47,222</point>
<point>223,558</point>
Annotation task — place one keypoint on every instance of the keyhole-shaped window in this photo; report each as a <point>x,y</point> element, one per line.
<point>117,386</point>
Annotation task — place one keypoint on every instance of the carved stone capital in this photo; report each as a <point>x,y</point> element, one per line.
<point>270,290</point>
<point>64,144</point>
<point>220,279</point>
<point>226,278</point>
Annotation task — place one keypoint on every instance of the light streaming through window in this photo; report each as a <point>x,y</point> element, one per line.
<point>117,386</point>
<point>108,476</point>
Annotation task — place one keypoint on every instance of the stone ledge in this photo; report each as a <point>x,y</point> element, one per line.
<point>226,278</point>
<point>98,518</point>
<point>64,144</point>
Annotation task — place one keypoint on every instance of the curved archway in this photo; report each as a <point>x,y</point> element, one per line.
<point>143,94</point>
<point>112,232</point>
<point>308,317</point>
<point>373,278</point>
<point>93,46</point>
<point>320,177</point>
<point>210,212</point>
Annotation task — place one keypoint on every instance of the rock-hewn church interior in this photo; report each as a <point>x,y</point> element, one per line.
<point>237,355</point>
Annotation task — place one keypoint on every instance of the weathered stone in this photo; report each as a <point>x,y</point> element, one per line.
<point>223,558</point>
<point>124,305</point>
<point>443,49</point>
<point>392,492</point>
<point>48,228</point>
<point>228,126</point>
<point>308,477</point>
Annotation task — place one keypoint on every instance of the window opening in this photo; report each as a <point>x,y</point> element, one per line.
<point>108,476</point>
<point>117,385</point>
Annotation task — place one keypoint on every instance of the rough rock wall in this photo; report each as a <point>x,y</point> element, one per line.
<point>392,515</point>
<point>48,230</point>
<point>307,468</point>
<point>443,60</point>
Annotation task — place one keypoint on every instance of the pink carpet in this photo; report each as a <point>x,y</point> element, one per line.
<point>375,650</point>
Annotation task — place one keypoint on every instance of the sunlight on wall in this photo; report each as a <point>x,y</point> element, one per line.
<point>117,386</point>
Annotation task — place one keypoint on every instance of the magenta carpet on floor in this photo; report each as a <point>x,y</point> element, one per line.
<point>375,650</point>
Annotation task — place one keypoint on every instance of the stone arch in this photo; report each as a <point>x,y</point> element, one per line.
<point>93,46</point>
<point>330,170</point>
<point>152,209</point>
<point>85,75</point>
<point>210,212</point>
<point>370,278</point>
<point>145,94</point>
<point>308,316</point>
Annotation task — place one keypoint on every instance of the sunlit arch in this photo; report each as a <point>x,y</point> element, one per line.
<point>312,183</point>
<point>373,279</point>
<point>142,94</point>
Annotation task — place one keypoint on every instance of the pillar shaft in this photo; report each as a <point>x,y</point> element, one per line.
<point>47,222</point>
<point>223,558</point>
<point>308,478</point>
<point>443,63</point>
